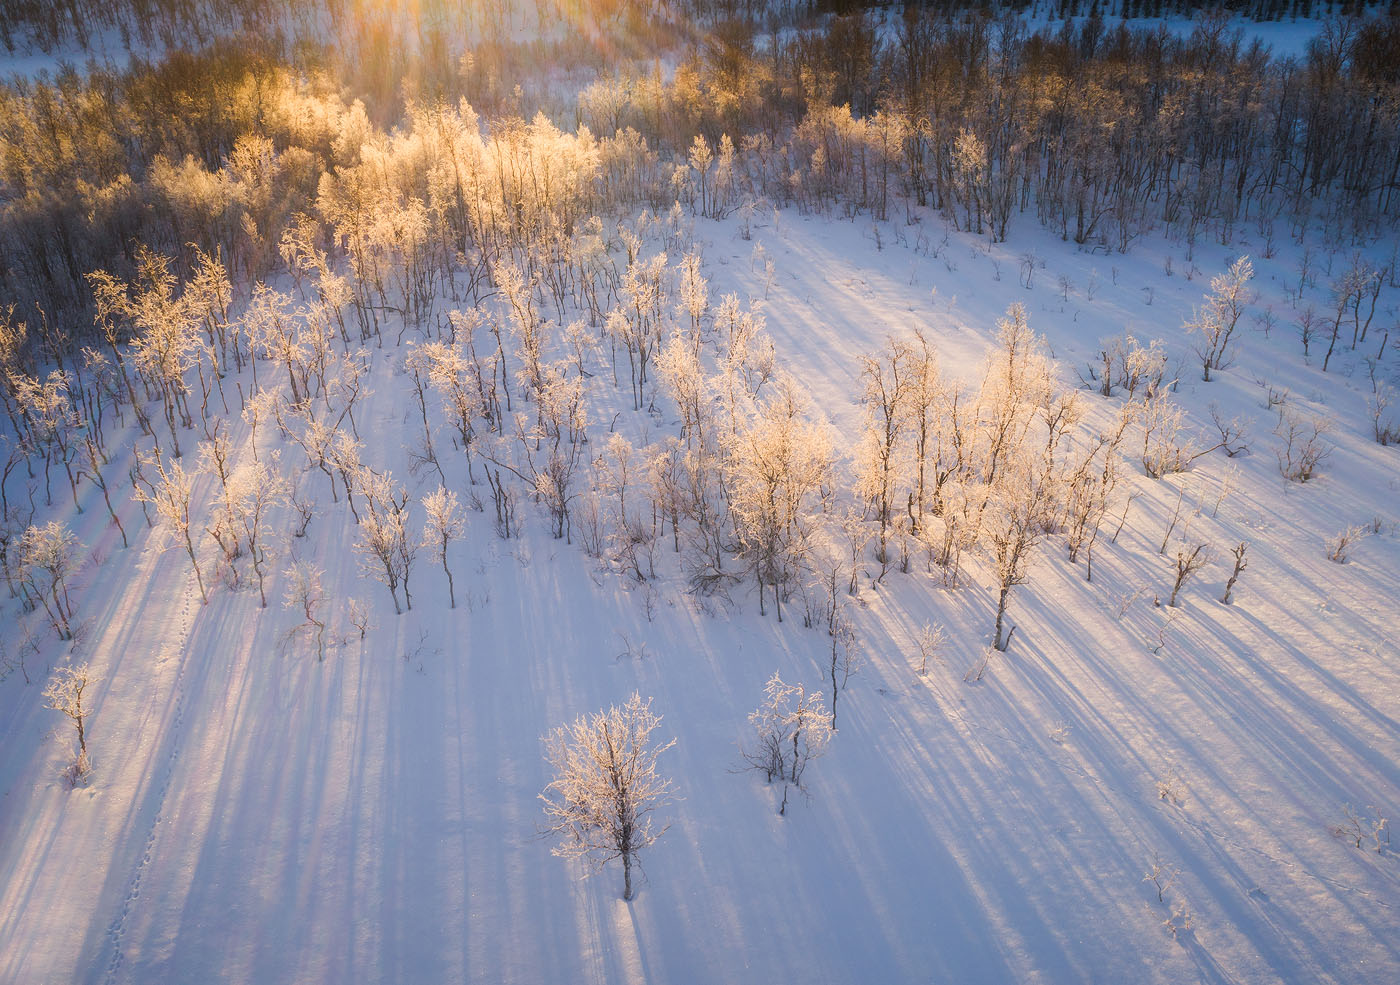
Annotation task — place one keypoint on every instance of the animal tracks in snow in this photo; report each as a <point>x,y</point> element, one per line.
<point>176,649</point>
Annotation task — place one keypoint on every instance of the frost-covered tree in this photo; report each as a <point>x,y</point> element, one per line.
<point>305,595</point>
<point>257,489</point>
<point>442,524</point>
<point>886,380</point>
<point>778,464</point>
<point>552,450</point>
<point>682,377</point>
<point>1016,384</point>
<point>272,329</point>
<point>1016,520</point>
<point>383,543</point>
<point>65,694</point>
<point>606,786</point>
<point>637,321</point>
<point>1214,322</point>
<point>215,458</point>
<point>926,394</point>
<point>169,492</point>
<point>47,554</point>
<point>164,330</point>
<point>449,372</point>
<point>790,729</point>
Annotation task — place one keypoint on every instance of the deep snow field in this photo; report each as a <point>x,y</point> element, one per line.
<point>255,815</point>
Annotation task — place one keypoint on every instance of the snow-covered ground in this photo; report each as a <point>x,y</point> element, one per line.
<point>258,816</point>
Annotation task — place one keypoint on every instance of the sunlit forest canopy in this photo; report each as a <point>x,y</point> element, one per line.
<point>1101,129</point>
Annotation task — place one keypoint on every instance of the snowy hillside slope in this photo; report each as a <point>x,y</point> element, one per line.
<point>257,815</point>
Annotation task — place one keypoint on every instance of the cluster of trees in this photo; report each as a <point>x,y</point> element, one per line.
<point>1102,135</point>
<point>607,789</point>
<point>548,298</point>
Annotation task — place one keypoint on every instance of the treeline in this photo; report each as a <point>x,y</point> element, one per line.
<point>49,24</point>
<point>418,25</point>
<point>1101,135</point>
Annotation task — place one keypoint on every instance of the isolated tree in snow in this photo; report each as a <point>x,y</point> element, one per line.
<point>65,694</point>
<point>1240,564</point>
<point>304,594</point>
<point>606,787</point>
<point>1190,558</point>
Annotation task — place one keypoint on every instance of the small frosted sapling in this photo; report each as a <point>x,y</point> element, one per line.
<point>170,493</point>
<point>845,656</point>
<point>1214,323</point>
<point>1307,328</point>
<point>1172,788</point>
<point>1179,922</point>
<point>359,616</point>
<point>1339,546</point>
<point>1016,525</point>
<point>65,694</point>
<point>443,525</point>
<point>975,672</point>
<point>1233,433</point>
<point>790,729</point>
<point>260,487</point>
<point>383,544</point>
<point>931,639</point>
<point>1162,875</point>
<point>305,594</point>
